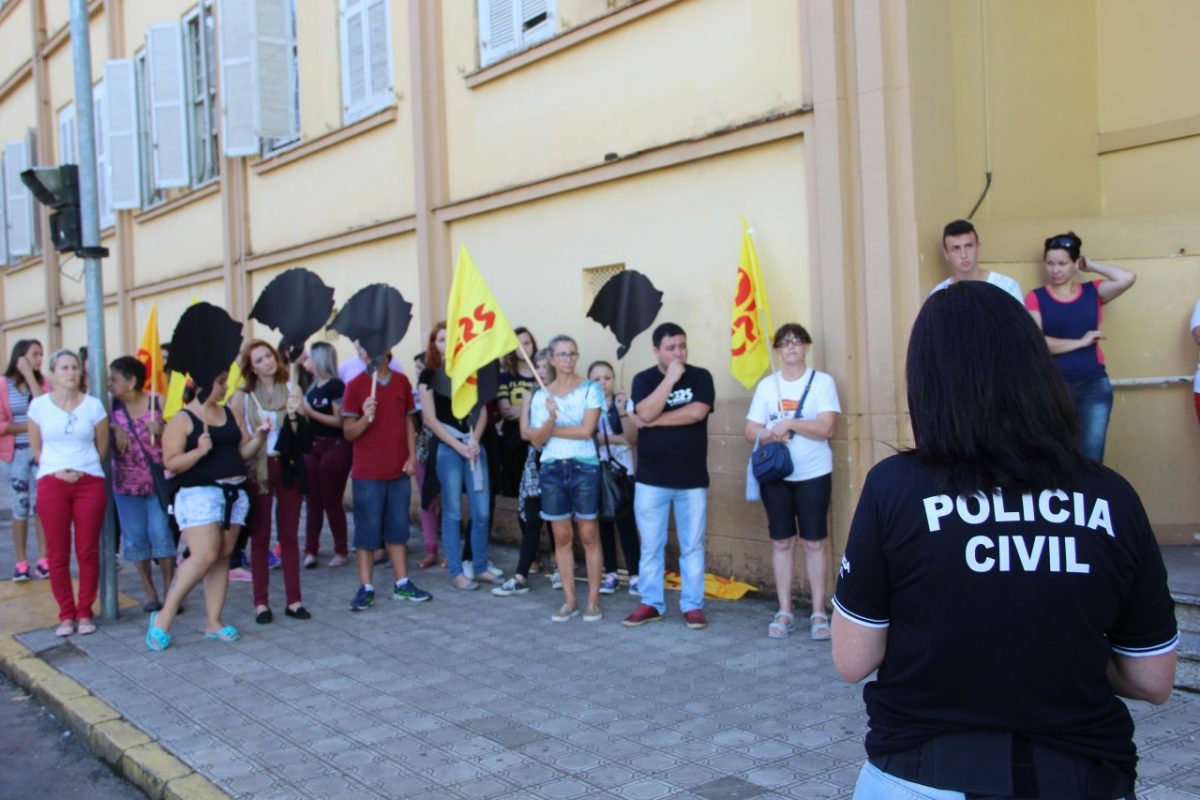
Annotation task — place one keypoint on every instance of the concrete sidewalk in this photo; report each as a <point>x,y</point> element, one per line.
<point>473,696</point>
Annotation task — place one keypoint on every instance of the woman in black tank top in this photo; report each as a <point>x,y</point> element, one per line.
<point>206,446</point>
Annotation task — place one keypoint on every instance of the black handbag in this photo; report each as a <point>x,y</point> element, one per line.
<point>164,488</point>
<point>616,485</point>
<point>772,462</point>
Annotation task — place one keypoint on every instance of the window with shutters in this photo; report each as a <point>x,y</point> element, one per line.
<point>151,195</point>
<point>121,119</point>
<point>366,38</point>
<point>18,202</point>
<point>201,94</point>
<point>509,26</point>
<point>103,179</point>
<point>272,144</point>
<point>68,152</point>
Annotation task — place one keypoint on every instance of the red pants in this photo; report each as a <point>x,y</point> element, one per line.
<point>328,468</point>
<point>287,501</point>
<point>59,504</point>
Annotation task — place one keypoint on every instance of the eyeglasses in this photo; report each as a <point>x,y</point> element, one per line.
<point>790,341</point>
<point>571,354</point>
<point>1062,243</point>
<point>70,424</point>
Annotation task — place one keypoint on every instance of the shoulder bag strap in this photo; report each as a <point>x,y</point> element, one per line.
<point>803,397</point>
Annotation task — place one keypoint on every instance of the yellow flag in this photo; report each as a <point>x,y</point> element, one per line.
<point>477,333</point>
<point>149,352</point>
<point>175,394</point>
<point>749,342</point>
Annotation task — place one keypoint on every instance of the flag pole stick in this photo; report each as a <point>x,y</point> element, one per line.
<point>532,368</point>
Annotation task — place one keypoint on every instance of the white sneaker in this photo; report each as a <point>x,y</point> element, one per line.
<point>510,587</point>
<point>555,581</point>
<point>492,568</point>
<point>633,587</point>
<point>469,570</point>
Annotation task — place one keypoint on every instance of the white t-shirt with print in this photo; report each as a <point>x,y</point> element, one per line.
<point>811,458</point>
<point>995,279</point>
<point>1194,324</point>
<point>571,409</point>
<point>68,449</point>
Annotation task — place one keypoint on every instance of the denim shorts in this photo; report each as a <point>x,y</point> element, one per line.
<point>381,512</point>
<point>205,505</point>
<point>570,489</point>
<point>24,487</point>
<point>145,530</point>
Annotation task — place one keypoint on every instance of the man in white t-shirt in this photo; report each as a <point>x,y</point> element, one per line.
<point>1195,329</point>
<point>960,249</point>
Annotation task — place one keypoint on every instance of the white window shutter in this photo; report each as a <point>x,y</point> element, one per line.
<point>274,109</point>
<point>125,180</point>
<point>68,153</point>
<point>537,21</point>
<point>354,57</point>
<point>168,105</point>
<point>19,200</point>
<point>235,18</point>
<point>103,167</point>
<point>499,29</point>
<point>3,215</point>
<point>379,60</point>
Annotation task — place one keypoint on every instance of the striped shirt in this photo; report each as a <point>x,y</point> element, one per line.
<point>18,403</point>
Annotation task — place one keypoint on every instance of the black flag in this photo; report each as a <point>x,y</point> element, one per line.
<point>377,317</point>
<point>627,305</point>
<point>205,342</point>
<point>296,303</point>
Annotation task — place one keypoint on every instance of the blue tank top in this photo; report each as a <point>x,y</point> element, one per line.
<point>1071,319</point>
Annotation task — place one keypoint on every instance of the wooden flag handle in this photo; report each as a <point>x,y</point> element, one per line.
<point>532,368</point>
<point>374,383</point>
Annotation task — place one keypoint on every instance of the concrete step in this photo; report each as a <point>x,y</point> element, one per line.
<point>1187,611</point>
<point>1187,670</point>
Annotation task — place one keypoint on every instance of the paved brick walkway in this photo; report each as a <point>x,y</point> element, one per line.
<point>473,696</point>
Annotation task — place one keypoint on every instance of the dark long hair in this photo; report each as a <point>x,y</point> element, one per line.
<point>511,363</point>
<point>989,407</point>
<point>433,359</point>
<point>19,349</point>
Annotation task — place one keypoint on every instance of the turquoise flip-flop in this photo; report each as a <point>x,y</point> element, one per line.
<point>226,634</point>
<point>156,638</point>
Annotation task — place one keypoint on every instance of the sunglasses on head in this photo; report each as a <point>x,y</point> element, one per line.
<point>1063,243</point>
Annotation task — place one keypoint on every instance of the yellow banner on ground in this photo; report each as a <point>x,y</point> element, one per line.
<point>749,340</point>
<point>477,333</point>
<point>149,352</point>
<point>715,587</point>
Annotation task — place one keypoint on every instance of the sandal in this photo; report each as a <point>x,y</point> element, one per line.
<point>782,626</point>
<point>226,634</point>
<point>65,628</point>
<point>85,626</point>
<point>156,638</point>
<point>820,627</point>
<point>428,561</point>
<point>464,584</point>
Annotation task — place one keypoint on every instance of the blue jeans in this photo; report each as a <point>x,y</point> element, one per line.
<point>875,784</point>
<point>381,512</point>
<point>455,475</point>
<point>1093,403</point>
<point>570,489</point>
<point>652,507</point>
<point>145,530</point>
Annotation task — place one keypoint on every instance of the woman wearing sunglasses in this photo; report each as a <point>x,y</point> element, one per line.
<point>1069,312</point>
<point>68,433</point>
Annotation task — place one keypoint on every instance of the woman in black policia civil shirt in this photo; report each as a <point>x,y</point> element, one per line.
<point>1007,588</point>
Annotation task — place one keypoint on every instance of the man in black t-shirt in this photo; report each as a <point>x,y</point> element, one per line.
<point>672,402</point>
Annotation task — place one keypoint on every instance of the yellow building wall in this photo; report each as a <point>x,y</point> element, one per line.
<point>361,181</point>
<point>61,72</point>
<point>74,332</point>
<point>58,15</point>
<point>1157,179</point>
<point>319,49</point>
<point>72,288</point>
<point>141,14</point>
<point>37,331</point>
<point>171,306</point>
<point>641,85</point>
<point>24,292</point>
<point>18,113</point>
<point>186,239</point>
<point>1037,91</point>
<point>392,261</point>
<point>15,48</point>
<point>679,227</point>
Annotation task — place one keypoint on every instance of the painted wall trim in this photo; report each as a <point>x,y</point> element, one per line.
<point>21,322</point>
<point>207,190</point>
<point>567,39</point>
<point>63,35</point>
<point>1158,133</point>
<point>178,282</point>
<point>753,134</point>
<point>22,73</point>
<point>322,142</point>
<point>328,244</point>
<point>21,266</point>
<point>80,307</point>
<point>7,8</point>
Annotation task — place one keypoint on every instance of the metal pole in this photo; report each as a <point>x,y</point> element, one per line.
<point>89,213</point>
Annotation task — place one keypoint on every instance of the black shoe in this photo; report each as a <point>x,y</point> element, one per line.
<point>150,606</point>
<point>264,617</point>
<point>299,613</point>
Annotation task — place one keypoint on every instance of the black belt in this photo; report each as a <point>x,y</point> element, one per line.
<point>995,764</point>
